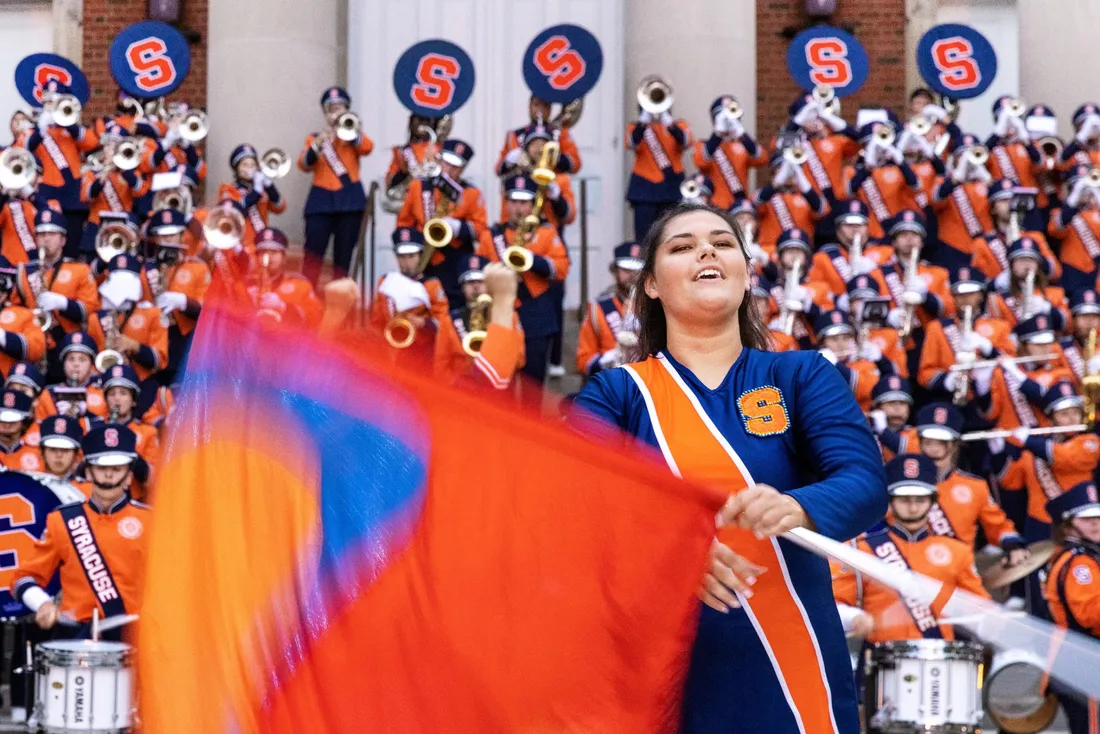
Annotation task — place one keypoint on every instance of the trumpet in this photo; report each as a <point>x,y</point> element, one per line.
<point>348,126</point>
<point>66,110</point>
<point>274,163</point>
<point>113,239</point>
<point>795,154</point>
<point>884,135</point>
<point>545,171</point>
<point>194,126</point>
<point>690,190</point>
<point>734,109</point>
<point>224,228</point>
<point>517,256</point>
<point>1016,107</point>
<point>399,332</point>
<point>825,95</point>
<point>110,356</point>
<point>18,169</point>
<point>977,155</point>
<point>479,322</point>
<point>1051,147</point>
<point>655,95</point>
<point>920,125</point>
<point>127,156</point>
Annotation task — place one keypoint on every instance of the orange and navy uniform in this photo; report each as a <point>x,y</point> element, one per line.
<point>23,339</point>
<point>962,214</point>
<point>831,265</point>
<point>943,340</point>
<point>826,156</point>
<point>537,315</point>
<point>787,636</point>
<point>148,448</point>
<point>17,228</point>
<point>1010,308</point>
<point>46,404</point>
<point>404,156</point>
<point>300,298</point>
<point>894,443</point>
<point>963,502</point>
<point>258,207</point>
<point>779,211</point>
<point>59,152</point>
<point>145,326</point>
<point>1017,162</point>
<point>938,301</point>
<point>989,253</point>
<point>68,278</point>
<point>1079,232</point>
<point>382,308</point>
<point>886,190</point>
<point>861,375</point>
<point>1073,588</point>
<point>21,456</point>
<point>115,192</point>
<point>501,354</point>
<point>604,319</point>
<point>569,160</point>
<point>122,534</point>
<point>726,163</point>
<point>1012,404</point>
<point>939,557</point>
<point>889,341</point>
<point>335,169</point>
<point>658,160</point>
<point>189,276</point>
<point>1044,469</point>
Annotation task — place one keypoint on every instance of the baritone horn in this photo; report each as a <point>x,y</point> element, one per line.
<point>115,238</point>
<point>18,169</point>
<point>194,126</point>
<point>127,156</point>
<point>224,228</point>
<point>66,110</point>
<point>655,95</point>
<point>348,126</point>
<point>274,163</point>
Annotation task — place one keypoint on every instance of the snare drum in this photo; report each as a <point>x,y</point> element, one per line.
<point>83,686</point>
<point>926,686</point>
<point>1015,694</point>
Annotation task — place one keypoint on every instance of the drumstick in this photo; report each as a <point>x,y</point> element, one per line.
<point>1075,664</point>
<point>110,623</point>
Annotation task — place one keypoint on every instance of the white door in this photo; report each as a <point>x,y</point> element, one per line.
<point>999,21</point>
<point>24,30</point>
<point>495,33</point>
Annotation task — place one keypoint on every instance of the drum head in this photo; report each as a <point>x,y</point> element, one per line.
<point>1014,699</point>
<point>85,646</point>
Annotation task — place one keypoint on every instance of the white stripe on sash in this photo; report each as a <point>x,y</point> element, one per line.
<point>817,168</point>
<point>333,160</point>
<point>1004,160</point>
<point>1086,235</point>
<point>965,208</point>
<point>874,198</point>
<point>782,213</point>
<point>656,149</point>
<point>729,175</point>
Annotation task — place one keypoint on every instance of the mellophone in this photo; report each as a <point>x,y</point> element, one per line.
<point>948,687</point>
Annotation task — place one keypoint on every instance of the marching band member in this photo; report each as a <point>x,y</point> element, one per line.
<point>334,208</point>
<point>727,155</point>
<point>1073,585</point>
<point>290,295</point>
<point>919,294</point>
<point>961,204</point>
<point>77,393</point>
<point>837,343</point>
<point>875,337</point>
<point>459,203</point>
<point>1085,307</point>
<point>538,313</point>
<point>920,154</point>
<point>1018,300</point>
<point>408,250</point>
<point>58,150</point>
<point>127,323</point>
<point>512,150</point>
<point>108,190</point>
<point>414,153</point>
<point>559,207</point>
<point>121,390</point>
<point>15,420</point>
<point>658,146</point>
<point>256,192</point>
<point>801,299</point>
<point>788,202</point>
<point>174,151</point>
<point>110,576</point>
<point>761,623</point>
<point>182,283</point>
<point>600,344</point>
<point>765,308</point>
<point>963,500</point>
<point>26,378</point>
<point>18,210</point>
<point>20,126</point>
<point>945,338</point>
<point>990,251</point>
<point>1012,153</point>
<point>59,438</point>
<point>837,263</point>
<point>501,352</point>
<point>830,142</point>
<point>20,335</point>
<point>882,179</point>
<point>891,404</point>
<point>909,544</point>
<point>1084,149</point>
<point>1076,223</point>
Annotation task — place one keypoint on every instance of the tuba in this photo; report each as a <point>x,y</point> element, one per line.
<point>517,256</point>
<point>655,95</point>
<point>115,238</point>
<point>224,227</point>
<point>274,163</point>
<point>18,169</point>
<point>348,127</point>
<point>479,323</point>
<point>194,126</point>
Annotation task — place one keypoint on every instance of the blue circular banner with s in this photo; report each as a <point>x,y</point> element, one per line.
<point>563,63</point>
<point>434,78</point>
<point>956,60</point>
<point>150,59</point>
<point>828,56</point>
<point>35,71</point>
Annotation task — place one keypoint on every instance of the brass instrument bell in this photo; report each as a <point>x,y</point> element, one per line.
<point>127,156</point>
<point>194,126</point>
<point>66,110</point>
<point>475,337</point>
<point>274,163</point>
<point>18,169</point>
<point>655,95</point>
<point>348,126</point>
<point>224,227</point>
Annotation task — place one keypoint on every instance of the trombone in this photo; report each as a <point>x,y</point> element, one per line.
<point>479,322</point>
<point>348,127</point>
<point>517,256</point>
<point>274,163</point>
<point>655,95</point>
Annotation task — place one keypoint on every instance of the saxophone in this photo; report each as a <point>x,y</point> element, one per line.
<point>910,297</point>
<point>110,356</point>
<point>964,358</point>
<point>44,319</point>
<point>791,304</point>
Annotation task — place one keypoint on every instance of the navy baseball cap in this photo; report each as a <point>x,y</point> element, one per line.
<point>456,152</point>
<point>907,220</point>
<point>26,373</point>
<point>15,407</point>
<point>966,279</point>
<point>1060,395</point>
<point>49,220</point>
<point>520,188</point>
<point>863,286</point>
<point>1084,301</point>
<point>78,341</point>
<point>241,152</point>
<point>407,241</point>
<point>851,211</point>
<point>335,95</point>
<point>793,238</point>
<point>1036,330</point>
<point>1002,188</point>
<point>833,323</point>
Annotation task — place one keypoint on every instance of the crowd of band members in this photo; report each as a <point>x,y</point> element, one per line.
<point>892,249</point>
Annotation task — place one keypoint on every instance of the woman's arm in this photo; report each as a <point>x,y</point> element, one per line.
<point>599,410</point>
<point>850,495</point>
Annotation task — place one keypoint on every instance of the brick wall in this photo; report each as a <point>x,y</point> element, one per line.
<point>103,19</point>
<point>879,25</point>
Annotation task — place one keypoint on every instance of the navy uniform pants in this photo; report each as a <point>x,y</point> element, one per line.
<point>340,227</point>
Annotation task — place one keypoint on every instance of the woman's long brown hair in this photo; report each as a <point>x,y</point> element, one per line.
<point>653,336</point>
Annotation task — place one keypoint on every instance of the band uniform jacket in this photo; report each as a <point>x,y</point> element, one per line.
<point>604,319</point>
<point>938,301</point>
<point>1009,308</point>
<point>189,276</point>
<point>1079,232</point>
<point>726,162</point>
<point>1011,404</point>
<point>122,534</point>
<point>422,204</point>
<point>501,354</point>
<point>59,152</point>
<point>115,192</point>
<point>943,339</point>
<point>824,166</point>
<point>405,155</point>
<point>939,557</point>
<point>22,456</point>
<point>145,326</point>
<point>1017,162</point>
<point>258,207</point>
<point>382,307</point>
<point>297,293</point>
<point>1046,468</point>
<point>989,253</point>
<point>831,265</point>
<point>886,190</point>
<point>336,186</point>
<point>68,278</point>
<point>893,443</point>
<point>94,402</point>
<point>23,340</point>
<point>779,211</point>
<point>962,213</point>
<point>1073,587</point>
<point>17,242</point>
<point>658,160</point>
<point>964,502</point>
<point>569,161</point>
<point>537,313</point>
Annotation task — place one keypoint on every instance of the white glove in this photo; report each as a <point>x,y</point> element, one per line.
<point>170,301</point>
<point>272,302</point>
<point>170,138</point>
<point>609,359</point>
<point>803,180</point>
<point>872,154</point>
<point>554,190</point>
<point>1003,280</point>
<point>917,285</point>
<point>926,147</point>
<point>835,122</point>
<point>1038,305</point>
<point>996,445</point>
<point>934,112</point>
<point>878,420</point>
<point>1077,192</point>
<point>454,223</point>
<point>1011,368</point>
<point>807,113</point>
<point>45,120</point>
<point>784,175</point>
<point>895,154</point>
<point>1021,433</point>
<point>1094,364</point>
<point>981,173</point>
<point>512,157</point>
<point>645,118</point>
<point>961,171</point>
<point>27,191</point>
<point>721,124</point>
<point>1020,127</point>
<point>260,182</point>
<point>842,302</point>
<point>1000,127</point>
<point>666,118</point>
<point>870,351</point>
<point>50,301</point>
<point>978,343</point>
<point>758,253</point>
<point>804,296</point>
<point>863,265</point>
<point>3,338</point>
<point>906,140</point>
<point>736,129</point>
<point>895,317</point>
<point>829,354</point>
<point>951,381</point>
<point>982,379</point>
